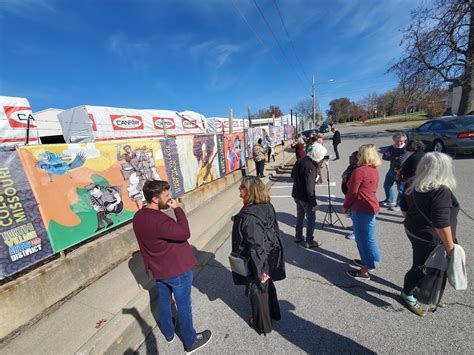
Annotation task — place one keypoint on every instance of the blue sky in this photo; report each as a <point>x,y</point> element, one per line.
<point>197,55</point>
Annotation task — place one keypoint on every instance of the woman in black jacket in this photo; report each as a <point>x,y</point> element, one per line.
<point>256,238</point>
<point>430,209</point>
<point>416,151</point>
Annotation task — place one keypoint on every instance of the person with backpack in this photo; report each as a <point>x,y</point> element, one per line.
<point>430,210</point>
<point>256,240</point>
<point>258,153</point>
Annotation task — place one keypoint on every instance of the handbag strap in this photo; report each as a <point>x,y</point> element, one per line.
<point>425,217</point>
<point>421,212</point>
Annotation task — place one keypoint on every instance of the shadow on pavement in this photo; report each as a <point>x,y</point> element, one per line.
<point>135,264</point>
<point>218,285</point>
<point>151,345</point>
<point>312,338</point>
<point>332,267</point>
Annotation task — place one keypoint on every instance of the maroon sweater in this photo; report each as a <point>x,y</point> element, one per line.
<point>163,242</point>
<point>299,150</point>
<point>362,191</point>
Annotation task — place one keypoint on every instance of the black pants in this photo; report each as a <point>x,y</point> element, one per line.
<point>335,150</point>
<point>260,166</point>
<point>421,251</point>
<point>265,307</point>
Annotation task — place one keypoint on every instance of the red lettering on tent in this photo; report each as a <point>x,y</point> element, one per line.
<point>18,116</point>
<point>126,122</point>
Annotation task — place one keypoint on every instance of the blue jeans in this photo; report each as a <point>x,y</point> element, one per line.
<point>305,209</point>
<point>390,179</point>
<point>364,232</point>
<point>180,286</point>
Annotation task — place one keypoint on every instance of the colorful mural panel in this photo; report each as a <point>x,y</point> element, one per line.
<point>84,189</point>
<point>23,238</point>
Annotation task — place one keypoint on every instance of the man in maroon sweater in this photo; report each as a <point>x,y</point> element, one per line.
<point>168,256</point>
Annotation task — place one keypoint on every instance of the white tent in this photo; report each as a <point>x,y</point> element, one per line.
<point>93,123</point>
<point>17,121</point>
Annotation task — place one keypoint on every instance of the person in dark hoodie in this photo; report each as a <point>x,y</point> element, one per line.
<point>256,238</point>
<point>416,151</point>
<point>305,174</point>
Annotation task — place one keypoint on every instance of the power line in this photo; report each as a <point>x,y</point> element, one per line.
<point>256,35</point>
<point>290,40</point>
<point>278,42</point>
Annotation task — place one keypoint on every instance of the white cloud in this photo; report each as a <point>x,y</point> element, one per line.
<point>133,52</point>
<point>213,54</point>
<point>27,8</point>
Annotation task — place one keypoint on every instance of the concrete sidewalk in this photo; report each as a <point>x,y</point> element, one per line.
<point>113,314</point>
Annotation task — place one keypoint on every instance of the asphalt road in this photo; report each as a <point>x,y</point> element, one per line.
<point>324,310</point>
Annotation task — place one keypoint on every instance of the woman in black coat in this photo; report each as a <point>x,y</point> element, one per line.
<point>256,238</point>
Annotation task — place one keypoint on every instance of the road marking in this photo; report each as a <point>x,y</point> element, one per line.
<point>288,196</point>
<point>332,184</point>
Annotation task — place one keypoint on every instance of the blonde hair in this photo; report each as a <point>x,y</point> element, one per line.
<point>368,156</point>
<point>434,170</point>
<point>256,190</point>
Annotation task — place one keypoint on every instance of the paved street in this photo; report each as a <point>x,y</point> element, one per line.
<point>323,310</point>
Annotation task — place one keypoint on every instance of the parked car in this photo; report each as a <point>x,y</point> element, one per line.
<point>308,132</point>
<point>324,128</point>
<point>454,134</point>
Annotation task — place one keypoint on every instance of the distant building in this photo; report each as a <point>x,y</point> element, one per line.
<point>454,99</point>
<point>49,129</point>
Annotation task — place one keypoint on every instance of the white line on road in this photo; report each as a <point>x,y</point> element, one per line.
<point>332,184</point>
<point>289,196</point>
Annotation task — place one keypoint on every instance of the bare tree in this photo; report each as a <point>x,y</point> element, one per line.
<point>440,44</point>
<point>369,104</point>
<point>304,108</point>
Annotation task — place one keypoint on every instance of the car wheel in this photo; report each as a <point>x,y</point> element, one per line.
<point>438,146</point>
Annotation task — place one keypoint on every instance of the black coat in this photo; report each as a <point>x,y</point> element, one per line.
<point>256,237</point>
<point>408,168</point>
<point>304,178</point>
<point>336,138</point>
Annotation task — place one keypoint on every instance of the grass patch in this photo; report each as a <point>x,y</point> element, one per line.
<point>414,125</point>
<point>417,117</point>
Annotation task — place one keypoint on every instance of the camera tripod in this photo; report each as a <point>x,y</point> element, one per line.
<point>328,220</point>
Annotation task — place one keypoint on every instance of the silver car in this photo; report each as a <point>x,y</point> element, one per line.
<point>447,134</point>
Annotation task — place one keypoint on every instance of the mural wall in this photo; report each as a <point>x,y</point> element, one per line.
<point>23,238</point>
<point>53,197</point>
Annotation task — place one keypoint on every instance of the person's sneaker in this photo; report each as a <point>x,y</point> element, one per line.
<point>394,208</point>
<point>356,274</point>
<point>414,307</point>
<point>299,240</point>
<point>201,340</point>
<point>170,340</point>
<point>350,236</point>
<point>312,245</point>
<point>387,203</point>
<point>358,262</point>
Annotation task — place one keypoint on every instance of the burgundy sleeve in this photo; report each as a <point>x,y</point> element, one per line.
<point>353,188</point>
<point>175,230</point>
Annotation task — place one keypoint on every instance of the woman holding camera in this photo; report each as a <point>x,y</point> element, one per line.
<point>361,201</point>
<point>256,239</point>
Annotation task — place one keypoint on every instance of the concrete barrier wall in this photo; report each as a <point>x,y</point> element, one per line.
<point>33,294</point>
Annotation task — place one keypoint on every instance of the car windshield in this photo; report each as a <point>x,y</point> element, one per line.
<point>467,122</point>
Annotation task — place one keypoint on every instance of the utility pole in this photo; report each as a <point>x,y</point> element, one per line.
<point>231,123</point>
<point>296,120</point>
<point>314,105</point>
<point>249,115</point>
